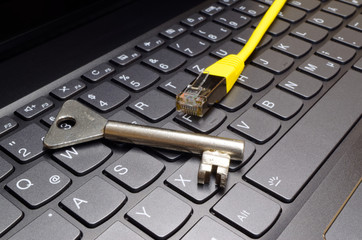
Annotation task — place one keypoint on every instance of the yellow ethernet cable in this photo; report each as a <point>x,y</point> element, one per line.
<point>217,80</point>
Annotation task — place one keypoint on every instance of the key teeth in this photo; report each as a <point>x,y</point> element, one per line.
<point>221,176</point>
<point>204,173</point>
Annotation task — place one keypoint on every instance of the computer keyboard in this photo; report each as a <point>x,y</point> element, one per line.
<point>298,97</point>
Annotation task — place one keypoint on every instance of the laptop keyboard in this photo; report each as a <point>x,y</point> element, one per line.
<point>297,98</point>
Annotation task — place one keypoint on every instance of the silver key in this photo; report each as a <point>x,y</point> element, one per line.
<point>76,124</point>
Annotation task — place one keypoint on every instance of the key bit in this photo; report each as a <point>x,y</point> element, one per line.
<point>76,123</point>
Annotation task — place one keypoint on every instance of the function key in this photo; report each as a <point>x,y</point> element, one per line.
<point>193,20</point>
<point>212,32</point>
<point>190,46</point>
<point>10,215</point>
<point>340,9</point>
<point>320,67</point>
<point>325,20</point>
<point>150,44</point>
<point>349,37</point>
<point>309,33</point>
<point>228,2</point>
<point>356,23</point>
<point>336,52</point>
<point>291,14</point>
<point>273,61</point>
<point>126,57</point>
<point>174,31</point>
<point>212,10</point>
<point>5,169</point>
<point>68,90</point>
<point>165,61</point>
<point>34,108</point>
<point>6,125</point>
<point>99,72</point>
<point>233,19</point>
<point>308,6</point>
<point>251,8</point>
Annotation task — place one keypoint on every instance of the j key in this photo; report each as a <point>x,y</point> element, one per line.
<point>279,170</point>
<point>48,224</point>
<point>48,119</point>
<point>212,10</point>
<point>184,181</point>
<point>165,61</point>
<point>325,20</point>
<point>7,124</point>
<point>153,106</point>
<point>155,210</point>
<point>274,61</point>
<point>212,32</point>
<point>255,78</point>
<point>174,31</point>
<point>247,210</point>
<point>244,36</point>
<point>99,72</point>
<point>235,99</point>
<point>336,52</point>
<point>34,108</point>
<point>135,170</point>
<point>250,8</point>
<point>320,67</point>
<point>123,116</point>
<point>10,215</point>
<point>357,3</point>
<point>305,5</point>
<point>358,64</point>
<point>26,144</point>
<point>339,9</point>
<point>356,23</point>
<point>190,46</point>
<point>256,125</point>
<point>291,14</point>
<point>39,184</point>
<point>226,49</point>
<point>293,46</point>
<point>212,120</point>
<point>233,20</point>
<point>280,104</point>
<point>126,57</point>
<point>136,78</point>
<point>151,44</point>
<point>278,27</point>
<point>349,37</point>
<point>94,194</point>
<point>199,66</point>
<point>301,85</point>
<point>228,2</point>
<point>68,90</point>
<point>177,83</point>
<point>309,32</point>
<point>116,230</point>
<point>83,158</point>
<point>5,169</point>
<point>193,20</point>
<point>207,229</point>
<point>105,97</point>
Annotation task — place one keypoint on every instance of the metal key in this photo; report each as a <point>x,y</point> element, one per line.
<point>77,123</point>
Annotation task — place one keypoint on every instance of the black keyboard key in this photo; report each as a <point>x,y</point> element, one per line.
<point>151,44</point>
<point>320,67</point>
<point>135,170</point>
<point>94,202</point>
<point>174,31</point>
<point>99,72</point>
<point>212,32</point>
<point>291,14</point>
<point>309,33</point>
<point>244,36</point>
<point>10,215</point>
<point>247,210</point>
<point>336,52</point>
<point>157,217</point>
<point>339,9</point>
<point>136,78</point>
<point>356,3</point>
<point>26,144</point>
<point>256,125</point>
<point>177,83</point>
<point>193,20</point>
<point>274,61</point>
<point>278,27</point>
<point>255,78</point>
<point>200,65</point>
<point>305,5</point>
<point>190,46</point>
<point>250,8</point>
<point>325,20</point>
<point>34,108</point>
<point>184,181</point>
<point>39,184</point>
<point>228,2</point>
<point>68,90</point>
<point>7,124</point>
<point>153,106</point>
<point>116,230</point>
<point>48,225</point>
<point>165,61</point>
<point>49,119</point>
<point>82,159</point>
<point>358,64</point>
<point>126,57</point>
<point>235,99</point>
<point>301,85</point>
<point>207,229</point>
<point>280,104</point>
<point>5,169</point>
<point>293,46</point>
<point>105,97</point>
<point>356,23</point>
<point>226,49</point>
<point>233,20</point>
<point>123,116</point>
<point>212,120</point>
<point>212,10</point>
<point>279,170</point>
<point>349,37</point>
